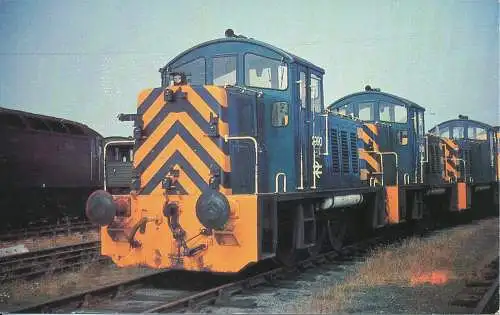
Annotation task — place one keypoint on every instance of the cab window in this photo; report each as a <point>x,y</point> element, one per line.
<point>315,94</point>
<point>121,154</point>
<point>265,72</point>
<point>477,133</point>
<point>224,70</point>
<point>194,70</point>
<point>365,111</point>
<point>279,116</point>
<point>302,89</point>
<point>444,133</point>
<point>458,132</point>
<point>392,113</point>
<point>420,123</point>
<point>346,110</point>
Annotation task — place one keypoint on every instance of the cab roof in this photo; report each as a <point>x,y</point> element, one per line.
<point>461,122</point>
<point>377,95</point>
<point>290,58</point>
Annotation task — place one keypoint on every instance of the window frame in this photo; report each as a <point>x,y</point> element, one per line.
<point>282,61</point>
<point>391,119</point>
<point>288,114</point>
<point>457,128</point>
<point>475,131</point>
<point>303,84</point>
<point>372,110</point>
<point>443,131</point>
<point>318,79</point>
<point>174,68</point>
<point>235,56</point>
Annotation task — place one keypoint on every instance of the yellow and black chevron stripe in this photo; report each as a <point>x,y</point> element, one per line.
<point>177,137</point>
<point>368,133</point>
<point>450,154</point>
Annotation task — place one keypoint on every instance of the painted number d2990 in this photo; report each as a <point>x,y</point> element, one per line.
<point>316,141</point>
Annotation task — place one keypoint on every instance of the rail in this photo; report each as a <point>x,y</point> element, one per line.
<point>67,228</point>
<point>37,263</point>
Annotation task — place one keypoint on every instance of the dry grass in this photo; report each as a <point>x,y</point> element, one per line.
<point>458,254</point>
<point>22,292</point>
<point>45,242</point>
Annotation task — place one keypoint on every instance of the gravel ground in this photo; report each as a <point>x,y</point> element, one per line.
<point>45,242</point>
<point>22,292</point>
<point>416,276</point>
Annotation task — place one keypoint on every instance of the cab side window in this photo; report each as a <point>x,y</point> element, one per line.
<point>316,94</point>
<point>302,89</point>
<point>279,115</point>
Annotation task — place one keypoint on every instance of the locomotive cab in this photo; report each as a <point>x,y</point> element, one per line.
<point>475,147</point>
<point>393,127</point>
<point>289,92</point>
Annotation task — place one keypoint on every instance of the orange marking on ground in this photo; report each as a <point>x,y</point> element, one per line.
<point>437,277</point>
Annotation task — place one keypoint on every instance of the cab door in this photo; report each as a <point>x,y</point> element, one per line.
<point>304,154</point>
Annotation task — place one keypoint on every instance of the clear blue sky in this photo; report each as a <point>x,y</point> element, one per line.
<point>87,60</point>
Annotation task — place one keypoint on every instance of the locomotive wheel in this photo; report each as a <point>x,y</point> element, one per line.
<point>287,253</point>
<point>336,230</point>
<point>321,238</point>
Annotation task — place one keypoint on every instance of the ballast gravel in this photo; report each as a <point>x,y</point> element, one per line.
<point>419,275</point>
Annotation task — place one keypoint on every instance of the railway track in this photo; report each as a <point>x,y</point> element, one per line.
<point>37,263</point>
<point>66,227</point>
<point>480,295</point>
<point>161,292</point>
<point>175,291</point>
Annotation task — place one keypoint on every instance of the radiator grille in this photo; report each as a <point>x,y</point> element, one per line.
<point>335,151</point>
<point>434,160</point>
<point>345,152</point>
<point>354,152</point>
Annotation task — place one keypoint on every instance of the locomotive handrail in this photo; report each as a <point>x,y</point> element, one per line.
<point>381,154</point>
<point>465,169</point>
<point>227,138</point>
<point>426,159</point>
<point>406,178</point>
<point>326,153</point>
<point>276,182</point>
<point>104,155</point>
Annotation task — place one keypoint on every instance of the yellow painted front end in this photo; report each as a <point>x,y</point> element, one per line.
<point>228,251</point>
<point>178,138</point>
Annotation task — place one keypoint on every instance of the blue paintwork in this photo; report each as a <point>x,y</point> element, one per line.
<point>409,154</point>
<point>279,146</point>
<point>460,123</point>
<point>234,45</point>
<point>342,178</point>
<point>481,152</point>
